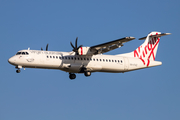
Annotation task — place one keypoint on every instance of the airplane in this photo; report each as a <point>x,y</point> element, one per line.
<point>91,59</point>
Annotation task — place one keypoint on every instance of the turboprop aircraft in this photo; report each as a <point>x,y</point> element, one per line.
<point>90,59</point>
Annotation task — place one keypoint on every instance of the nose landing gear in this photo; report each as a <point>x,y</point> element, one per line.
<point>18,71</point>
<point>18,68</point>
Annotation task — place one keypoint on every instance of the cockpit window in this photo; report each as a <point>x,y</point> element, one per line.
<point>18,53</point>
<point>22,53</point>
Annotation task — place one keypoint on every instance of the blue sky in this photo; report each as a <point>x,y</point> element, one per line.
<point>39,94</point>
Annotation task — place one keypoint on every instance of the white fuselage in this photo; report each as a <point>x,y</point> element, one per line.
<point>90,59</point>
<point>74,63</point>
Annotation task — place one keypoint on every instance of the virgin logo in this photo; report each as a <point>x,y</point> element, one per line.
<point>145,52</point>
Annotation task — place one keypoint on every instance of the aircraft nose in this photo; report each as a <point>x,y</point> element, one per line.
<point>11,60</point>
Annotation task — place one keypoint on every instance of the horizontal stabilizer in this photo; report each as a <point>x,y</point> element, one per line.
<point>154,63</point>
<point>158,35</point>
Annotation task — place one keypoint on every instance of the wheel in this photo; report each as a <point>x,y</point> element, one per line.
<point>72,76</point>
<point>87,73</point>
<point>18,71</point>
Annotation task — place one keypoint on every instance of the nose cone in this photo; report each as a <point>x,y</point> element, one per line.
<point>11,60</point>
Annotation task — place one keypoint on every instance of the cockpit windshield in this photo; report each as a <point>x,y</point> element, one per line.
<point>22,53</point>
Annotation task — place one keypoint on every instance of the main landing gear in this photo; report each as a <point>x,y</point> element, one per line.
<point>72,76</point>
<point>87,73</point>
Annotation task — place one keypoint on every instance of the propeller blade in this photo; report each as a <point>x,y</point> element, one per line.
<point>76,42</point>
<point>72,45</point>
<point>47,47</point>
<point>75,48</point>
<point>79,47</point>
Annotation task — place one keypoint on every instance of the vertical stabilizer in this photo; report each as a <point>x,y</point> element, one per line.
<point>147,51</point>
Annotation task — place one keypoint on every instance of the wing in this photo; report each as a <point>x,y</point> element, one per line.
<point>105,47</point>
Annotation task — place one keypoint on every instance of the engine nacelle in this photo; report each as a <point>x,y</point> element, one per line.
<point>84,51</point>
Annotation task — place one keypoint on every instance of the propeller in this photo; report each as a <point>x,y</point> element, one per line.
<point>75,48</point>
<point>46,47</point>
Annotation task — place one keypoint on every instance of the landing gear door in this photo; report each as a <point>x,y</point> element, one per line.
<point>126,63</point>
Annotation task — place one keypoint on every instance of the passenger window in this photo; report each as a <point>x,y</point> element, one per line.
<point>94,59</point>
<point>109,60</point>
<point>75,58</point>
<point>27,53</point>
<point>59,57</point>
<point>112,60</point>
<point>121,61</point>
<point>87,58</point>
<point>72,58</point>
<point>23,53</point>
<point>56,57</point>
<point>69,58</point>
<point>50,56</point>
<point>47,56</point>
<point>100,59</point>
<point>106,60</point>
<point>78,58</point>
<point>97,59</point>
<point>103,60</point>
<point>115,60</point>
<point>84,58</point>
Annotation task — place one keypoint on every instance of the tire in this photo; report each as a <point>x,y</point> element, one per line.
<point>72,76</point>
<point>87,73</point>
<point>18,71</point>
